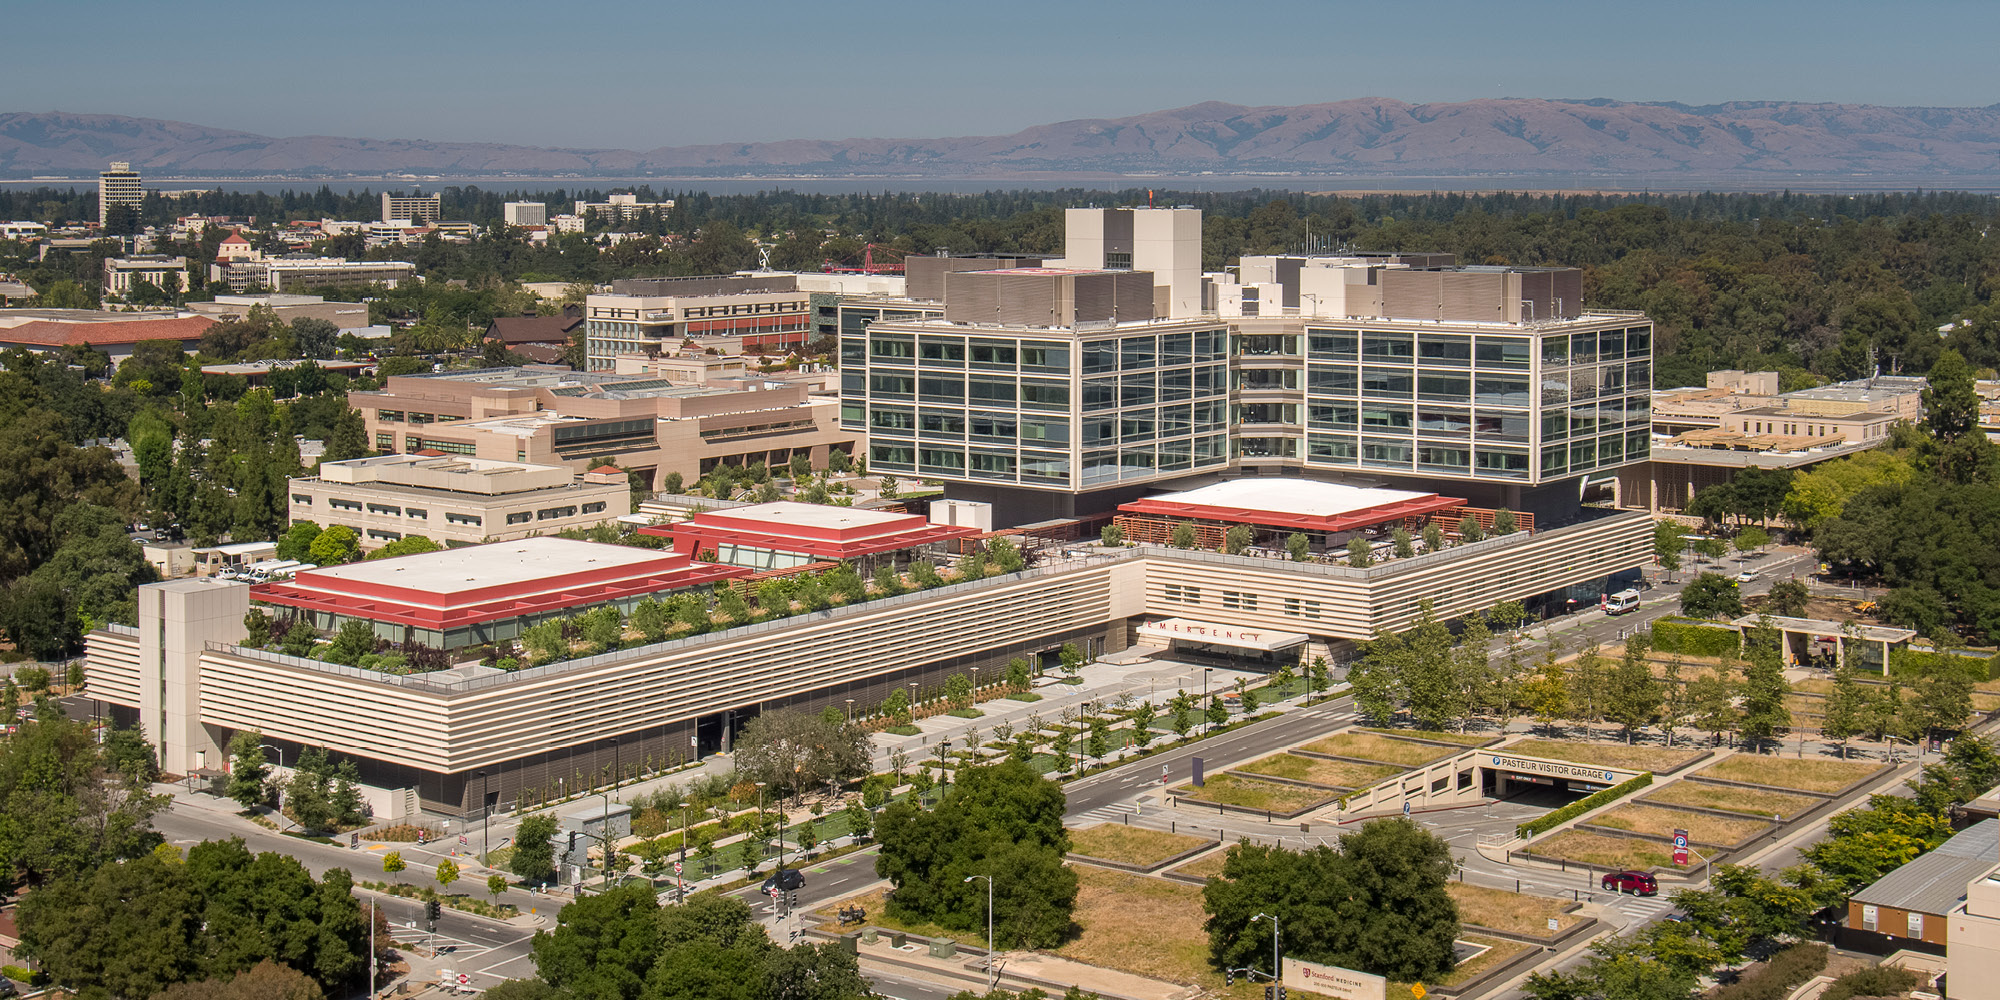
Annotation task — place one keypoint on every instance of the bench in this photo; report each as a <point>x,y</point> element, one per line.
<point>852,915</point>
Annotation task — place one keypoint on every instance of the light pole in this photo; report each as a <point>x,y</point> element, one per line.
<point>992,971</point>
<point>485,820</point>
<point>281,764</point>
<point>1277,970</point>
<point>850,711</point>
<point>617,773</point>
<point>1205,724</point>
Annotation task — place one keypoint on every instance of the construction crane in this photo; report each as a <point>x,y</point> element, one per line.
<point>868,265</point>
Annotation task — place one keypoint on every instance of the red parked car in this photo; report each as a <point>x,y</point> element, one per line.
<point>1637,883</point>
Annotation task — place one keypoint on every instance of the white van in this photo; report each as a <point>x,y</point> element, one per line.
<point>1622,602</point>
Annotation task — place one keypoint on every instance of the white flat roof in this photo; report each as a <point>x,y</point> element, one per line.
<point>496,564</point>
<point>809,515</point>
<point>1291,496</point>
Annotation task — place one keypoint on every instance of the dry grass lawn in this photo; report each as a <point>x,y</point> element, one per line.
<point>1207,866</point>
<point>1498,950</point>
<point>1749,801</point>
<point>1233,790</point>
<point>878,917</point>
<point>1810,774</point>
<point>1606,852</point>
<point>1372,746</point>
<point>1337,773</point>
<point>1132,845</point>
<point>1143,925</point>
<point>1635,757</point>
<point>1512,912</point>
<point>1701,827</point>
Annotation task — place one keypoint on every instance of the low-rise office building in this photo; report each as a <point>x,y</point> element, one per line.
<point>456,500</point>
<point>735,314</point>
<point>168,274</point>
<point>287,307</point>
<point>1703,436</point>
<point>184,673</point>
<point>550,415</point>
<point>1913,905</point>
<point>300,273</point>
<point>116,334</point>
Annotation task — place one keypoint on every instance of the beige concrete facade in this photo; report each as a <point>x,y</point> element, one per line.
<point>1972,955</point>
<point>550,416</point>
<point>455,500</point>
<point>431,731</point>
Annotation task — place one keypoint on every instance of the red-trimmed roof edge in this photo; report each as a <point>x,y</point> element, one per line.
<point>1317,522</point>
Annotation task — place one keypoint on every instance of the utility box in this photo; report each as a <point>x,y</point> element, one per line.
<point>602,822</point>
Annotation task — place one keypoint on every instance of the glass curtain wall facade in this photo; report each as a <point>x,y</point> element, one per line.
<point>1047,408</point>
<point>1520,404</point>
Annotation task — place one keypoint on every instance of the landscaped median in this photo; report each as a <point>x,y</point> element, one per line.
<point>1135,847</point>
<point>1365,746</point>
<point>1338,774</point>
<point>1247,794</point>
<point>1596,800</point>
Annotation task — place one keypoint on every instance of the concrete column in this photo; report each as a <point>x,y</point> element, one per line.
<point>177,620</point>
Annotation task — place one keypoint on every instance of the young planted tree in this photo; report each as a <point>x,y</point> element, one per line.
<point>447,873</point>
<point>1713,700</point>
<point>496,884</point>
<point>1360,553</point>
<point>1846,712</point>
<point>1634,701</point>
<point>1765,688</point>
<point>1236,539</point>
<point>1182,536</point>
<point>247,770</point>
<point>1433,536</point>
<point>1182,707</point>
<point>1218,713</point>
<point>393,864</point>
<point>1401,544</point>
<point>1298,546</point>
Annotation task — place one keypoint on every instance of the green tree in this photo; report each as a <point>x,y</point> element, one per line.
<point>1218,713</point>
<point>393,864</point>
<point>1143,717</point>
<point>1433,536</point>
<point>1547,694</point>
<point>296,541</point>
<point>1100,739</point>
<point>335,546</point>
<point>1789,597</point>
<point>1182,707</point>
<point>1846,710</point>
<point>1503,522</point>
<point>355,639</point>
<point>1713,701</point>
<point>604,945</point>
<point>1634,700</point>
<point>1864,844</point>
<point>1378,904</point>
<point>859,820</point>
<point>792,751</point>
<point>1236,539</point>
<point>1299,546</point>
<point>1112,537</point>
<point>1765,688</point>
<point>1941,696</point>
<point>247,770</point>
<point>1469,529</point>
<point>1360,553</point>
<point>1072,659</point>
<point>407,545</point>
<point>447,873</point>
<point>1182,536</point>
<point>533,860</point>
<point>1712,595</point>
<point>349,439</point>
<point>1002,819</point>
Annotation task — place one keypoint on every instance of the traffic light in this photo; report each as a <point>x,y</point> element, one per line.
<point>433,909</point>
<point>1229,977</point>
<point>1270,993</point>
<point>572,842</point>
<point>1281,993</point>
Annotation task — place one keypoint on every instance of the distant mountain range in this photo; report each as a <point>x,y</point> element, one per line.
<point>1362,137</point>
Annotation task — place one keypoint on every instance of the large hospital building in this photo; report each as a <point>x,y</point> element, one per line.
<point>1337,397</point>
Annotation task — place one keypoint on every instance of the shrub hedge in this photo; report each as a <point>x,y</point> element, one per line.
<point>1917,663</point>
<point>1879,981</point>
<point>1672,635</point>
<point>1549,821</point>
<point>1778,976</point>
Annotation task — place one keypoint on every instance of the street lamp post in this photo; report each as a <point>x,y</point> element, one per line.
<point>1205,724</point>
<point>850,711</point>
<point>281,764</point>
<point>617,772</point>
<point>1277,970</point>
<point>992,971</point>
<point>485,820</point>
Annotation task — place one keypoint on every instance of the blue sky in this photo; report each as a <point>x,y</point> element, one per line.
<point>640,75</point>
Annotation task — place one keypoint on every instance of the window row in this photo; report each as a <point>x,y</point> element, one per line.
<point>1466,350</point>
<point>1397,453</point>
<point>959,352</point>
<point>1148,351</point>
